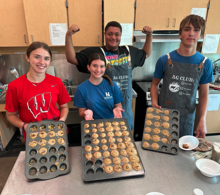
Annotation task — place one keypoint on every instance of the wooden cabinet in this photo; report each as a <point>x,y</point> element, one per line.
<point>13,30</point>
<point>164,14</point>
<point>88,16</point>
<point>39,14</point>
<point>213,20</point>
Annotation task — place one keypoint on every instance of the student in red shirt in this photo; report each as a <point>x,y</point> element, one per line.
<point>35,94</point>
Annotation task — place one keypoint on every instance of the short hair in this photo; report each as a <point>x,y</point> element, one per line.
<point>113,23</point>
<point>195,20</point>
<point>35,45</point>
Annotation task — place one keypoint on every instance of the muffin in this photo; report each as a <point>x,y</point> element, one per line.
<point>51,133</point>
<point>118,133</point>
<point>166,118</point>
<point>42,134</point>
<point>111,139</point>
<point>124,159</point>
<point>102,135</point>
<point>86,131</point>
<point>88,148</point>
<point>150,109</point>
<point>122,123</point>
<point>96,148</point>
<point>123,152</point>
<point>110,134</point>
<point>103,141</point>
<point>126,167</point>
<point>95,141</point>
<point>158,111</point>
<point>118,168</point>
<point>127,139</point>
<point>157,117</point>
<point>166,125</point>
<point>101,129</point>
<point>94,130</point>
<point>88,156</point>
<point>93,125</point>
<point>33,135</point>
<point>146,144</point>
<point>60,133</point>
<point>86,126</point>
<point>148,122</point>
<point>33,143</point>
<point>129,145</point>
<point>42,151</point>
<point>116,128</point>
<point>104,147</point>
<point>116,160</point>
<point>97,154</point>
<point>61,141</point>
<point>101,124</point>
<point>156,130</point>
<point>165,132</point>
<point>108,124</point>
<point>106,154</point>
<point>123,128</point>
<point>156,124</point>
<point>154,146</point>
<point>164,140</point>
<point>115,153</point>
<point>108,169</point>
<point>155,138</point>
<point>131,151</point>
<point>136,166</point>
<point>166,111</point>
<point>107,161</point>
<point>42,142</point>
<point>52,142</point>
<point>134,159</point>
<point>115,123</point>
<point>95,135</point>
<point>113,146</point>
<point>147,136</point>
<point>149,115</point>
<point>125,133</point>
<point>109,128</point>
<point>121,145</point>
<point>119,140</point>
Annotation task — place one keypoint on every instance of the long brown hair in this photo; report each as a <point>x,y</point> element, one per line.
<point>98,56</point>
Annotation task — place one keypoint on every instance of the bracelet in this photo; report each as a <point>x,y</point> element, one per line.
<point>22,127</point>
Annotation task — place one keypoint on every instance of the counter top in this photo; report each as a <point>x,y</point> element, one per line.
<point>168,174</point>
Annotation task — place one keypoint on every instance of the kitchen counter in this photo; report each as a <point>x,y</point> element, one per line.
<point>168,174</point>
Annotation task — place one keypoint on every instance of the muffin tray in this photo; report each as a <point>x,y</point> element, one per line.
<point>46,154</point>
<point>161,130</point>
<point>103,147</point>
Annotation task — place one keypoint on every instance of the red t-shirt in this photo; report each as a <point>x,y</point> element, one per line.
<point>36,102</point>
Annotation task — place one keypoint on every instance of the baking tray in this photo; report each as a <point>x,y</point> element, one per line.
<point>55,162</point>
<point>94,168</point>
<point>165,138</point>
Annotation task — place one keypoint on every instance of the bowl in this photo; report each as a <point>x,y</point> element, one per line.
<point>208,167</point>
<point>190,140</point>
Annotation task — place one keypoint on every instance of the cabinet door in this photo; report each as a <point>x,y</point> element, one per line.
<point>164,14</point>
<point>13,30</point>
<point>39,14</point>
<point>213,20</point>
<point>88,16</point>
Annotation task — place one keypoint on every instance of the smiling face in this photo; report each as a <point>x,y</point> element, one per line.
<point>97,69</point>
<point>39,60</point>
<point>189,35</point>
<point>112,38</point>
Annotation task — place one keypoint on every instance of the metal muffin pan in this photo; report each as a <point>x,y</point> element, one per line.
<point>94,168</point>
<point>55,161</point>
<point>169,139</point>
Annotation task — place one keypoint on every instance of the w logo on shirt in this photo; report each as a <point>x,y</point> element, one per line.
<point>39,104</point>
<point>107,94</point>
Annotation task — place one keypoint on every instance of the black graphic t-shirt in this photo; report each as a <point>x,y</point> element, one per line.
<point>116,58</point>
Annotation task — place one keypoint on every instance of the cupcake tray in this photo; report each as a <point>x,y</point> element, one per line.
<point>94,168</point>
<point>49,160</point>
<point>165,138</point>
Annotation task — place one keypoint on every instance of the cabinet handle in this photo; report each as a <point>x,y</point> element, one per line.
<point>174,22</point>
<point>168,22</point>
<point>25,39</point>
<point>32,38</point>
<point>98,39</point>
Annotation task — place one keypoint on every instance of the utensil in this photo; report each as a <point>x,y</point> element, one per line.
<point>190,140</point>
<point>208,167</point>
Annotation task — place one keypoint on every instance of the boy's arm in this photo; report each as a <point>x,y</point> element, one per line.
<point>70,51</point>
<point>148,42</point>
<point>154,92</point>
<point>203,102</point>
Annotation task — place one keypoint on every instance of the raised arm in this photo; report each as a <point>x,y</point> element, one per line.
<point>154,92</point>
<point>203,102</point>
<point>70,51</point>
<point>148,42</point>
